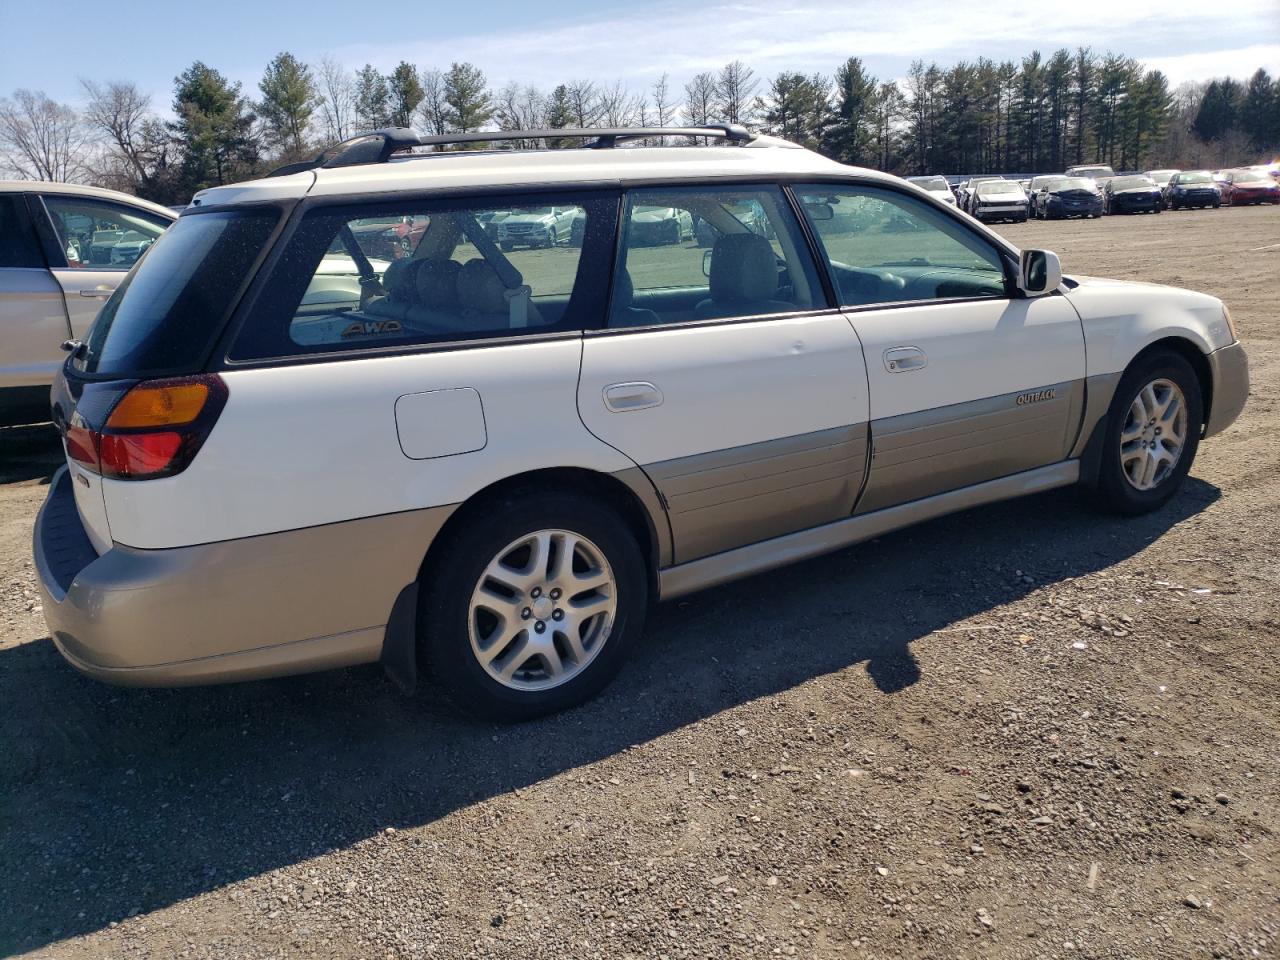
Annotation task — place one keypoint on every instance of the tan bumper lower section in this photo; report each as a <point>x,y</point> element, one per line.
<point>1230,369</point>
<point>260,606</point>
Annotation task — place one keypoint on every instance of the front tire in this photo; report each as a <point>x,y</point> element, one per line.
<point>533,606</point>
<point>1152,434</point>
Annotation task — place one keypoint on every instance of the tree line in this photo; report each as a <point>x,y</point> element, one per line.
<point>1034,114</point>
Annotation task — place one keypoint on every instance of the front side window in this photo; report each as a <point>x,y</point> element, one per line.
<point>355,278</point>
<point>887,247</point>
<point>96,235</point>
<point>705,253</point>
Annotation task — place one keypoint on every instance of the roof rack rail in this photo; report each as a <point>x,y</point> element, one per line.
<point>378,145</point>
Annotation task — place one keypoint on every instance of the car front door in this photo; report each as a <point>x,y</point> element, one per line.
<point>32,318</point>
<point>969,381</point>
<point>97,242</point>
<point>726,375</point>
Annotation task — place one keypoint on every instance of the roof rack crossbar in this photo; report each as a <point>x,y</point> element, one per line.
<point>377,146</point>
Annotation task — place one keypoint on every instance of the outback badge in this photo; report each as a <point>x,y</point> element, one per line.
<point>1036,397</point>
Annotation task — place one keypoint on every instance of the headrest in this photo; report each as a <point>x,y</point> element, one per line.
<point>743,268</point>
<point>398,279</point>
<point>438,283</point>
<point>480,289</point>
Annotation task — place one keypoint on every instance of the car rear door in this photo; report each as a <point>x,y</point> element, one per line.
<point>739,391</point>
<point>85,232</point>
<point>33,320</point>
<point>968,381</point>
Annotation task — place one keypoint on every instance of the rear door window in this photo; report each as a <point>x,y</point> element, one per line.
<point>19,246</point>
<point>165,315</point>
<point>710,252</point>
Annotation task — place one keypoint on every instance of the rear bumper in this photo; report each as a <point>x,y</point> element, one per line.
<point>277,604</point>
<point>1229,367</point>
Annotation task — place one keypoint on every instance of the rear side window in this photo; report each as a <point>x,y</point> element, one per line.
<point>165,315</point>
<point>417,272</point>
<point>18,244</point>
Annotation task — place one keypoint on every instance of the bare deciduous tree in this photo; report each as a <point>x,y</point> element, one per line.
<point>434,109</point>
<point>584,103</point>
<point>736,93</point>
<point>41,139</point>
<point>520,108</point>
<point>138,150</point>
<point>617,107</point>
<point>700,95</point>
<point>337,99</point>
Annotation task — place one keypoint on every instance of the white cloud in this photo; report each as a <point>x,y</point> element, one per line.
<point>1240,63</point>
<point>817,35</point>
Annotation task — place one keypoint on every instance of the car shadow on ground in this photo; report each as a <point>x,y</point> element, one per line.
<point>123,801</point>
<point>29,453</point>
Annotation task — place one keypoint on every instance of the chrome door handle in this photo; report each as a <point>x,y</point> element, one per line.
<point>95,292</point>
<point>626,397</point>
<point>905,359</point>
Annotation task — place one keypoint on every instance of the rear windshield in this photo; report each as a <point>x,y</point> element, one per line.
<point>1092,172</point>
<point>167,312</point>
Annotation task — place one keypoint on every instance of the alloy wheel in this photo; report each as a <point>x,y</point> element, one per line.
<point>1154,434</point>
<point>542,610</point>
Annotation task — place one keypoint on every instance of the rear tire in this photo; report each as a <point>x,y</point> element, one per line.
<point>1156,414</point>
<point>477,605</point>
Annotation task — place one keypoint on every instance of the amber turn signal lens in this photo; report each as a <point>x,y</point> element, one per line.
<point>159,406</point>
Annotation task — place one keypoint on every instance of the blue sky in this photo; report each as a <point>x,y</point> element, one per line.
<point>634,42</point>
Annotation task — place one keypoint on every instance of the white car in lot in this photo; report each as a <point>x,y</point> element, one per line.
<point>63,249</point>
<point>285,455</point>
<point>937,187</point>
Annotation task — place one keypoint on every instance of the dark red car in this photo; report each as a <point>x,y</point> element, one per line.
<point>1249,185</point>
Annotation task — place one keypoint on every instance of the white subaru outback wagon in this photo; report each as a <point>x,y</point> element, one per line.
<point>329,420</point>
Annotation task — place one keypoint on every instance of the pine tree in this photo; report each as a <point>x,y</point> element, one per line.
<point>466,93</point>
<point>373,99</point>
<point>851,136</point>
<point>1218,109</point>
<point>1259,112</point>
<point>404,93</point>
<point>214,128</point>
<point>289,98</point>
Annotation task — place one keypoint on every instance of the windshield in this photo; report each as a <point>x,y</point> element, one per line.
<point>167,312</point>
<point>1131,183</point>
<point>1093,172</point>
<point>1073,183</point>
<point>999,188</point>
<point>1248,176</point>
<point>1194,178</point>
<point>930,183</point>
<point>1162,176</point>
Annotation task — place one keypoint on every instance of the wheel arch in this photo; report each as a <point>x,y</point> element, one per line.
<point>630,492</point>
<point>1189,350</point>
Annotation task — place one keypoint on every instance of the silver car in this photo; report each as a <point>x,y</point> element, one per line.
<point>63,250</point>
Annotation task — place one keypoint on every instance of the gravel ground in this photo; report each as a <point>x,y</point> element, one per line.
<point>1024,731</point>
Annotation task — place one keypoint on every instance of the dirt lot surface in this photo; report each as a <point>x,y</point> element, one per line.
<point>1025,731</point>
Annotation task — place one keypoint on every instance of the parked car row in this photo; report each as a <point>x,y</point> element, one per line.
<point>1094,190</point>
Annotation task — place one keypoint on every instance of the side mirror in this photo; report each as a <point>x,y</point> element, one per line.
<point>706,263</point>
<point>1039,272</point>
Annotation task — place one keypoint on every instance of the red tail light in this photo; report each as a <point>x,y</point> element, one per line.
<point>154,430</point>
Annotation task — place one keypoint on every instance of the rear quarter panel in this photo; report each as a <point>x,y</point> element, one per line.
<point>302,445</point>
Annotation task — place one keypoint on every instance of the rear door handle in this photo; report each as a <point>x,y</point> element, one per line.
<point>626,397</point>
<point>905,359</point>
<point>96,292</point>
